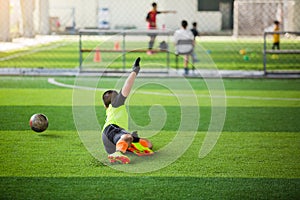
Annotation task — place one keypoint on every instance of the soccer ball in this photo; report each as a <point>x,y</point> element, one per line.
<point>246,58</point>
<point>275,57</point>
<point>243,52</point>
<point>38,122</point>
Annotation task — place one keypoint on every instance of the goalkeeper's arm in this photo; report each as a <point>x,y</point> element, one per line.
<point>130,80</point>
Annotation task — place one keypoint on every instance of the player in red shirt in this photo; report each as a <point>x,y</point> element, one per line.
<point>151,19</point>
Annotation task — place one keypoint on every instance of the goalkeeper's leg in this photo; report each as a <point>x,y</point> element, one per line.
<point>141,148</point>
<point>121,148</point>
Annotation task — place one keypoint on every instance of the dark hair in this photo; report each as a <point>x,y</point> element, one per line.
<point>194,23</point>
<point>184,23</point>
<point>108,96</point>
<point>276,22</point>
<point>154,4</point>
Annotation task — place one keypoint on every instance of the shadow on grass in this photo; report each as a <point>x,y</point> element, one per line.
<point>147,187</point>
<point>48,135</point>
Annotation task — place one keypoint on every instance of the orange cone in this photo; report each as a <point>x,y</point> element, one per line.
<point>117,46</point>
<point>97,55</point>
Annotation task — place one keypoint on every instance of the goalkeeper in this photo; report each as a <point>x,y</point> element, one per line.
<point>116,139</point>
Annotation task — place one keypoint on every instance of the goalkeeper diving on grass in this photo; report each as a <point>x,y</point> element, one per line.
<point>116,138</point>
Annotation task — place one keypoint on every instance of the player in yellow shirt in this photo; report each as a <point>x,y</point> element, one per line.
<point>115,136</point>
<point>276,37</point>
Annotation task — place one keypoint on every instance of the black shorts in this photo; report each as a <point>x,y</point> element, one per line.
<point>152,34</point>
<point>112,134</point>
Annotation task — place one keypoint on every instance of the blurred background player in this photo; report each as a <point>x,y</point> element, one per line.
<point>195,33</point>
<point>276,37</point>
<point>115,135</point>
<point>194,30</point>
<point>151,19</point>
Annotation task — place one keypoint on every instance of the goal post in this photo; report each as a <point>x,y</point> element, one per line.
<point>289,45</point>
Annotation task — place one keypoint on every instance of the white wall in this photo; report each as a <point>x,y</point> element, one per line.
<point>131,12</point>
<point>209,21</point>
<point>85,11</point>
<point>186,10</point>
<point>4,21</point>
<point>292,17</point>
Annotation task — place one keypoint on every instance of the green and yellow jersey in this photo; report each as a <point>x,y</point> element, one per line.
<point>116,113</point>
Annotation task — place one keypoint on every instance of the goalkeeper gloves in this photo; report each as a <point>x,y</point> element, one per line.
<point>136,66</point>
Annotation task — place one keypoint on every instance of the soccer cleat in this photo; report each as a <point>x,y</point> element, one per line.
<point>118,157</point>
<point>140,150</point>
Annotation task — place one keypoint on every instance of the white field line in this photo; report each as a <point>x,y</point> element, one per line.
<point>54,82</point>
<point>32,51</point>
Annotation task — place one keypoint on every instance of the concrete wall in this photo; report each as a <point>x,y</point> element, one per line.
<point>84,12</point>
<point>132,13</point>
<point>4,21</point>
<point>249,20</point>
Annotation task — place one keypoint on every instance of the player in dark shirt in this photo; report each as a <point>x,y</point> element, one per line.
<point>195,33</point>
<point>151,19</point>
<point>194,30</point>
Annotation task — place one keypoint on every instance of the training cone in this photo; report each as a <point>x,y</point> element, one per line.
<point>97,55</point>
<point>117,46</point>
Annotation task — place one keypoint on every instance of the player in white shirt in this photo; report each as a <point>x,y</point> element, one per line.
<point>184,34</point>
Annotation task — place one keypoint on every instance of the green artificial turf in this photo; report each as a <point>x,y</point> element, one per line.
<point>211,54</point>
<point>255,157</point>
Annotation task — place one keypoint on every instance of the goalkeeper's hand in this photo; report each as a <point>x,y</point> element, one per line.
<point>136,66</point>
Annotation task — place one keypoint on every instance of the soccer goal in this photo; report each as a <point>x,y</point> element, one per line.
<point>283,58</point>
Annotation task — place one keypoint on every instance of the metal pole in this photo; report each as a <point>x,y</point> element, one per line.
<point>80,53</point>
<point>124,52</point>
<point>264,54</point>
<point>168,54</point>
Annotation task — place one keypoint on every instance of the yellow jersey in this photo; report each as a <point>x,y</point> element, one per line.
<point>117,116</point>
<point>276,37</point>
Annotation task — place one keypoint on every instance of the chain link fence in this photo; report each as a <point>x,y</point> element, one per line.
<point>45,33</point>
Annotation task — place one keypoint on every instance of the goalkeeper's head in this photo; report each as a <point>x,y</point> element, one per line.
<point>108,97</point>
